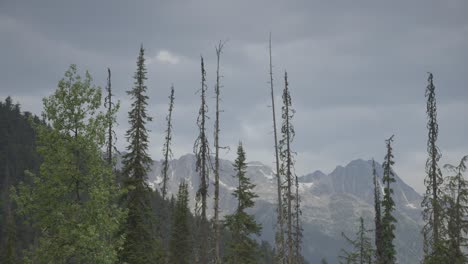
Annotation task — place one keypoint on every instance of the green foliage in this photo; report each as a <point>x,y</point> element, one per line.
<point>72,200</point>
<point>456,210</point>
<point>362,247</point>
<point>388,220</point>
<point>142,244</point>
<point>242,248</point>
<point>180,247</point>
<point>434,228</point>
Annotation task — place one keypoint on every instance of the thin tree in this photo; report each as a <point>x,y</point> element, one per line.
<point>111,109</point>
<point>243,249</point>
<point>180,247</point>
<point>378,216</point>
<point>432,198</point>
<point>287,170</point>
<point>388,220</point>
<point>456,210</point>
<point>279,237</point>
<point>167,152</point>
<point>216,232</point>
<point>142,244</point>
<point>202,154</point>
<point>362,247</point>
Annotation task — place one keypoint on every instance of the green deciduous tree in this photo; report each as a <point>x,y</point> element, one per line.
<point>72,200</point>
<point>243,248</point>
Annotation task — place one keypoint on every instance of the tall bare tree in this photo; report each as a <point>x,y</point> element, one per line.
<point>167,152</point>
<point>219,49</point>
<point>279,237</point>
<point>202,153</point>
<point>378,216</point>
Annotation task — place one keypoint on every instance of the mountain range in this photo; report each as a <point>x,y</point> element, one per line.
<point>331,204</point>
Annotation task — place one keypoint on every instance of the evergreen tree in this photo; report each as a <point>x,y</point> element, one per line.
<point>432,213</point>
<point>456,210</point>
<point>378,217</point>
<point>291,211</point>
<point>243,249</point>
<point>72,200</point>
<point>112,109</point>
<point>279,234</point>
<point>141,244</point>
<point>9,254</point>
<point>180,245</point>
<point>167,152</point>
<point>202,154</point>
<point>388,220</point>
<point>362,247</point>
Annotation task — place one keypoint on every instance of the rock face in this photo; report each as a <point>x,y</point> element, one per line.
<point>331,204</point>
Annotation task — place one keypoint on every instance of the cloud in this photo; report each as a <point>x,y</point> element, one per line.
<point>165,57</point>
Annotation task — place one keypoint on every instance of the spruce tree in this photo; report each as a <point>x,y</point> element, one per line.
<point>279,234</point>
<point>362,246</point>
<point>388,220</point>
<point>111,109</point>
<point>243,249</point>
<point>378,216</point>
<point>202,154</point>
<point>291,211</point>
<point>142,244</point>
<point>180,247</point>
<point>9,255</point>
<point>431,203</point>
<point>167,152</point>
<point>456,210</point>
<point>72,199</point>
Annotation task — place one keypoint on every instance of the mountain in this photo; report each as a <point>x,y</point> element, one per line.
<point>331,204</point>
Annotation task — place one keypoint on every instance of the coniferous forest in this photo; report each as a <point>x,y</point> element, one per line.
<point>154,155</point>
<point>64,198</point>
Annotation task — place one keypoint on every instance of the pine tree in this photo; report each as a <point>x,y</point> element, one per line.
<point>216,228</point>
<point>142,244</point>
<point>279,236</point>
<point>202,154</point>
<point>167,152</point>
<point>9,252</point>
<point>291,211</point>
<point>112,109</point>
<point>180,247</point>
<point>362,247</point>
<point>72,200</point>
<point>243,249</point>
<point>431,203</point>
<point>456,210</point>
<point>378,217</point>
<point>388,220</point>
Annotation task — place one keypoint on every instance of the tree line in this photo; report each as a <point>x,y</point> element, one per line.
<point>80,207</point>
<point>444,204</point>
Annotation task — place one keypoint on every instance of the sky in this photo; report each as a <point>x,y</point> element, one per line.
<point>357,70</point>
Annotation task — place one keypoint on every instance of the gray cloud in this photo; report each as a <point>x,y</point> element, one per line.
<point>357,71</point>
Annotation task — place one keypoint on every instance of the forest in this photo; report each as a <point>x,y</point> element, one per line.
<point>68,195</point>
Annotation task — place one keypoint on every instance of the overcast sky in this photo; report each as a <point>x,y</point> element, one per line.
<point>357,70</point>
